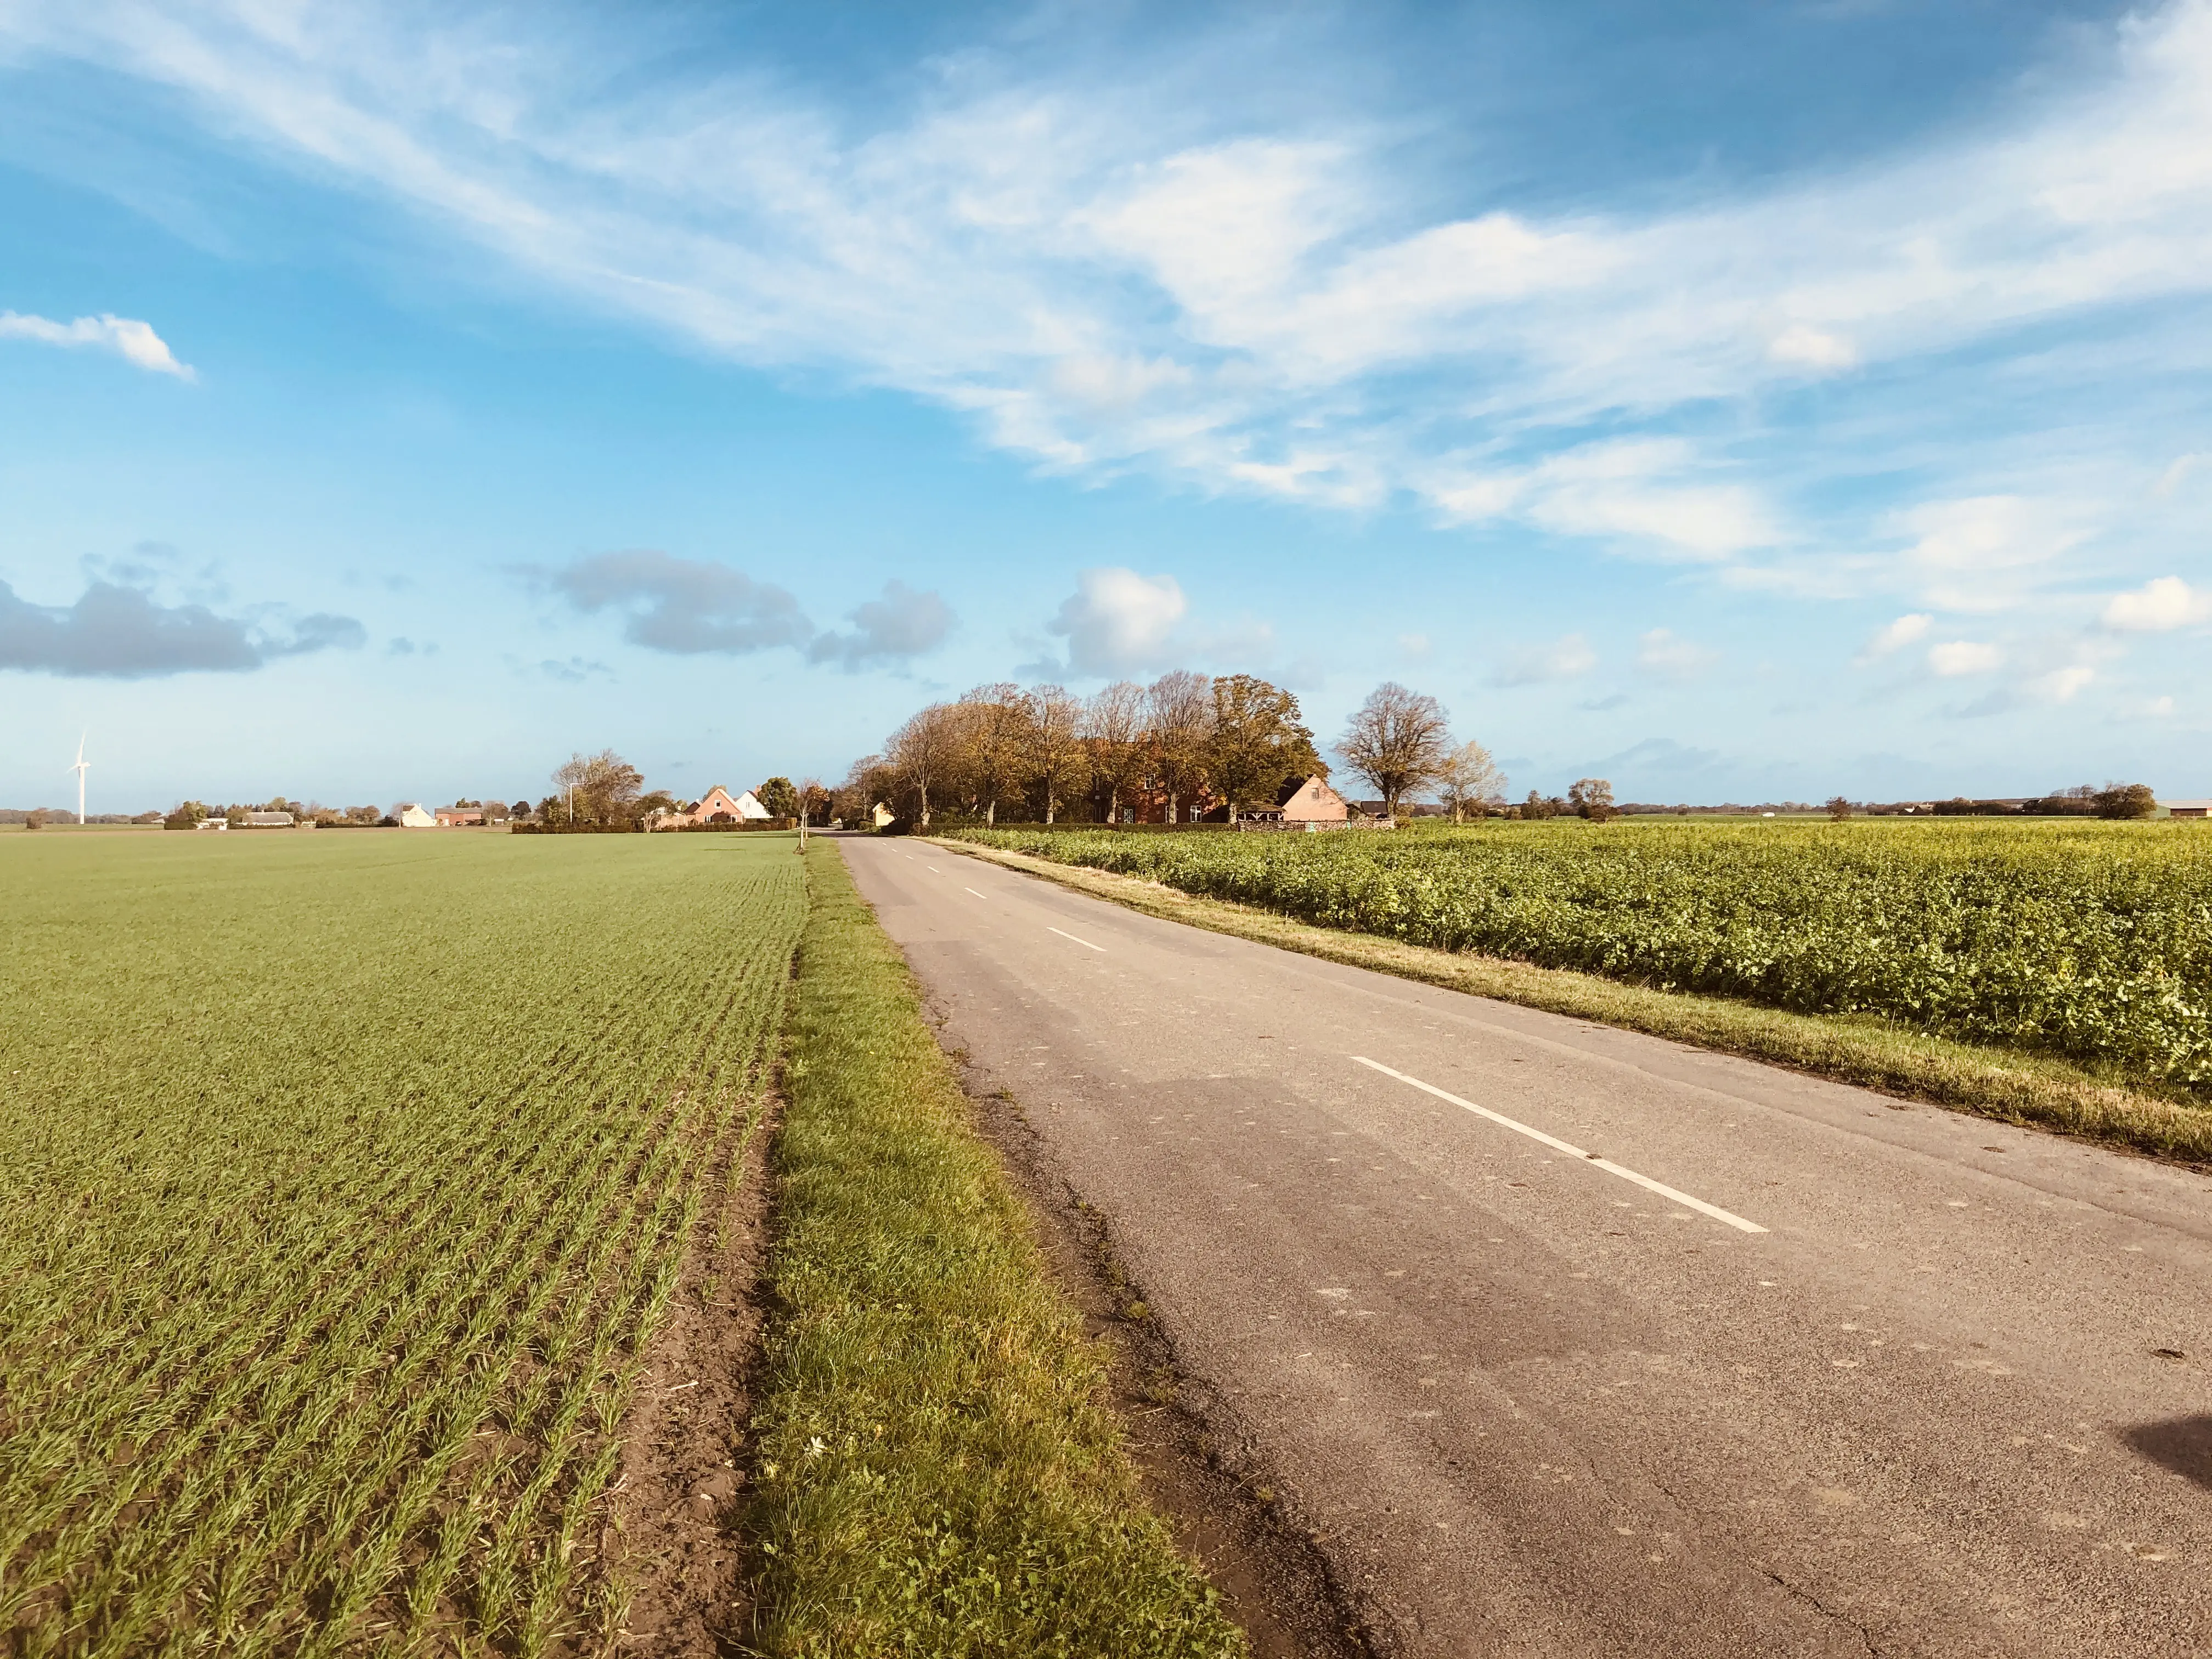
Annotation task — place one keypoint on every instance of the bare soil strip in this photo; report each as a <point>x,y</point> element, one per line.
<point>669,1545</point>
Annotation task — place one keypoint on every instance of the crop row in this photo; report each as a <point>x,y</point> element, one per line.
<point>339,1185</point>
<point>2089,941</point>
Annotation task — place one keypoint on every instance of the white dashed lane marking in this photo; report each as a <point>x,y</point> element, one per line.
<point>1558,1144</point>
<point>1084,942</point>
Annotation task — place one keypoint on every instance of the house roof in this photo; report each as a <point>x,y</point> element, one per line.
<point>1291,786</point>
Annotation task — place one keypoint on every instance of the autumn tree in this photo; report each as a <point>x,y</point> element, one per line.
<point>1179,707</point>
<point>1840,808</point>
<point>1258,740</point>
<point>1113,732</point>
<point>1055,744</point>
<point>2125,800</point>
<point>600,789</point>
<point>1469,778</point>
<point>923,751</point>
<point>780,796</point>
<point>996,721</point>
<point>1397,741</point>
<point>1592,799</point>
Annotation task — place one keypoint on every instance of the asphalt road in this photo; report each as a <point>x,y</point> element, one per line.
<point>1933,1405</point>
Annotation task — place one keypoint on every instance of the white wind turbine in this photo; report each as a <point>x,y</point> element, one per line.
<point>82,766</point>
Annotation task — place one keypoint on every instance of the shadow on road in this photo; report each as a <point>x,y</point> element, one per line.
<point>2183,1444</point>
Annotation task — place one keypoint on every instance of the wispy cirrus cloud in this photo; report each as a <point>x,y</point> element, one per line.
<point>1105,275</point>
<point>134,342</point>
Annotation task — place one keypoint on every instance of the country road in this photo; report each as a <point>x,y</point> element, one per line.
<point>1572,1341</point>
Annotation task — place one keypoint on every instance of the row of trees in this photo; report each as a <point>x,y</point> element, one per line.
<point>1184,746</point>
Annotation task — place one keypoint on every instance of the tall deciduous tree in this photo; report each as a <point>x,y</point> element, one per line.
<point>1592,799</point>
<point>601,788</point>
<point>1397,741</point>
<point>922,752</point>
<point>1469,779</point>
<point>1114,729</point>
<point>997,721</point>
<point>1181,709</point>
<point>1259,740</point>
<point>1055,746</point>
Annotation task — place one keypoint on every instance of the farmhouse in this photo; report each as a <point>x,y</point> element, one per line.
<point>1301,803</point>
<point>719,806</point>
<point>268,820</point>
<point>448,817</point>
<point>2188,808</point>
<point>217,822</point>
<point>412,817</point>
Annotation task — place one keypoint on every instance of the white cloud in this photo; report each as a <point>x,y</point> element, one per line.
<point>130,339</point>
<point>1562,660</point>
<point>1117,622</point>
<point>2177,472</point>
<point>2060,684</point>
<point>1958,657</point>
<point>1109,275</point>
<point>1895,636</point>
<point>1803,347</point>
<point>1662,652</point>
<point>1980,553</point>
<point>2157,607</point>
<point>1636,491</point>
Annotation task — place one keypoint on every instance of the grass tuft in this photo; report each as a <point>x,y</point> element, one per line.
<point>937,1471</point>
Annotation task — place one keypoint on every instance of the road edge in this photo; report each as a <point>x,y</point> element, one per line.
<point>1861,1051</point>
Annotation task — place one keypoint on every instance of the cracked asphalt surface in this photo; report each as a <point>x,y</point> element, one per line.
<point>1953,1401</point>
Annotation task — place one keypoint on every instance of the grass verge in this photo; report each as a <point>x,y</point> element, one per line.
<point>937,1471</point>
<point>1849,1048</point>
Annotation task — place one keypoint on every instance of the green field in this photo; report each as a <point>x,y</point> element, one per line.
<point>2087,941</point>
<point>340,1178</point>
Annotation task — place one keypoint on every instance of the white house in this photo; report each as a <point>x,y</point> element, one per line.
<point>412,817</point>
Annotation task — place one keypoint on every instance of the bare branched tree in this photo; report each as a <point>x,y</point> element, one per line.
<point>1397,741</point>
<point>1469,779</point>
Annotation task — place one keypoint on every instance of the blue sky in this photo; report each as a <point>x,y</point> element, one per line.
<point>1738,400</point>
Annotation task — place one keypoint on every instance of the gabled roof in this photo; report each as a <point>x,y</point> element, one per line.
<point>1291,786</point>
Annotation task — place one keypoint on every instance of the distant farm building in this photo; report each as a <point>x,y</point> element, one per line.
<point>412,817</point>
<point>719,806</point>
<point>884,816</point>
<point>269,820</point>
<point>2188,808</point>
<point>448,817</point>
<point>218,822</point>
<point>1301,803</point>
